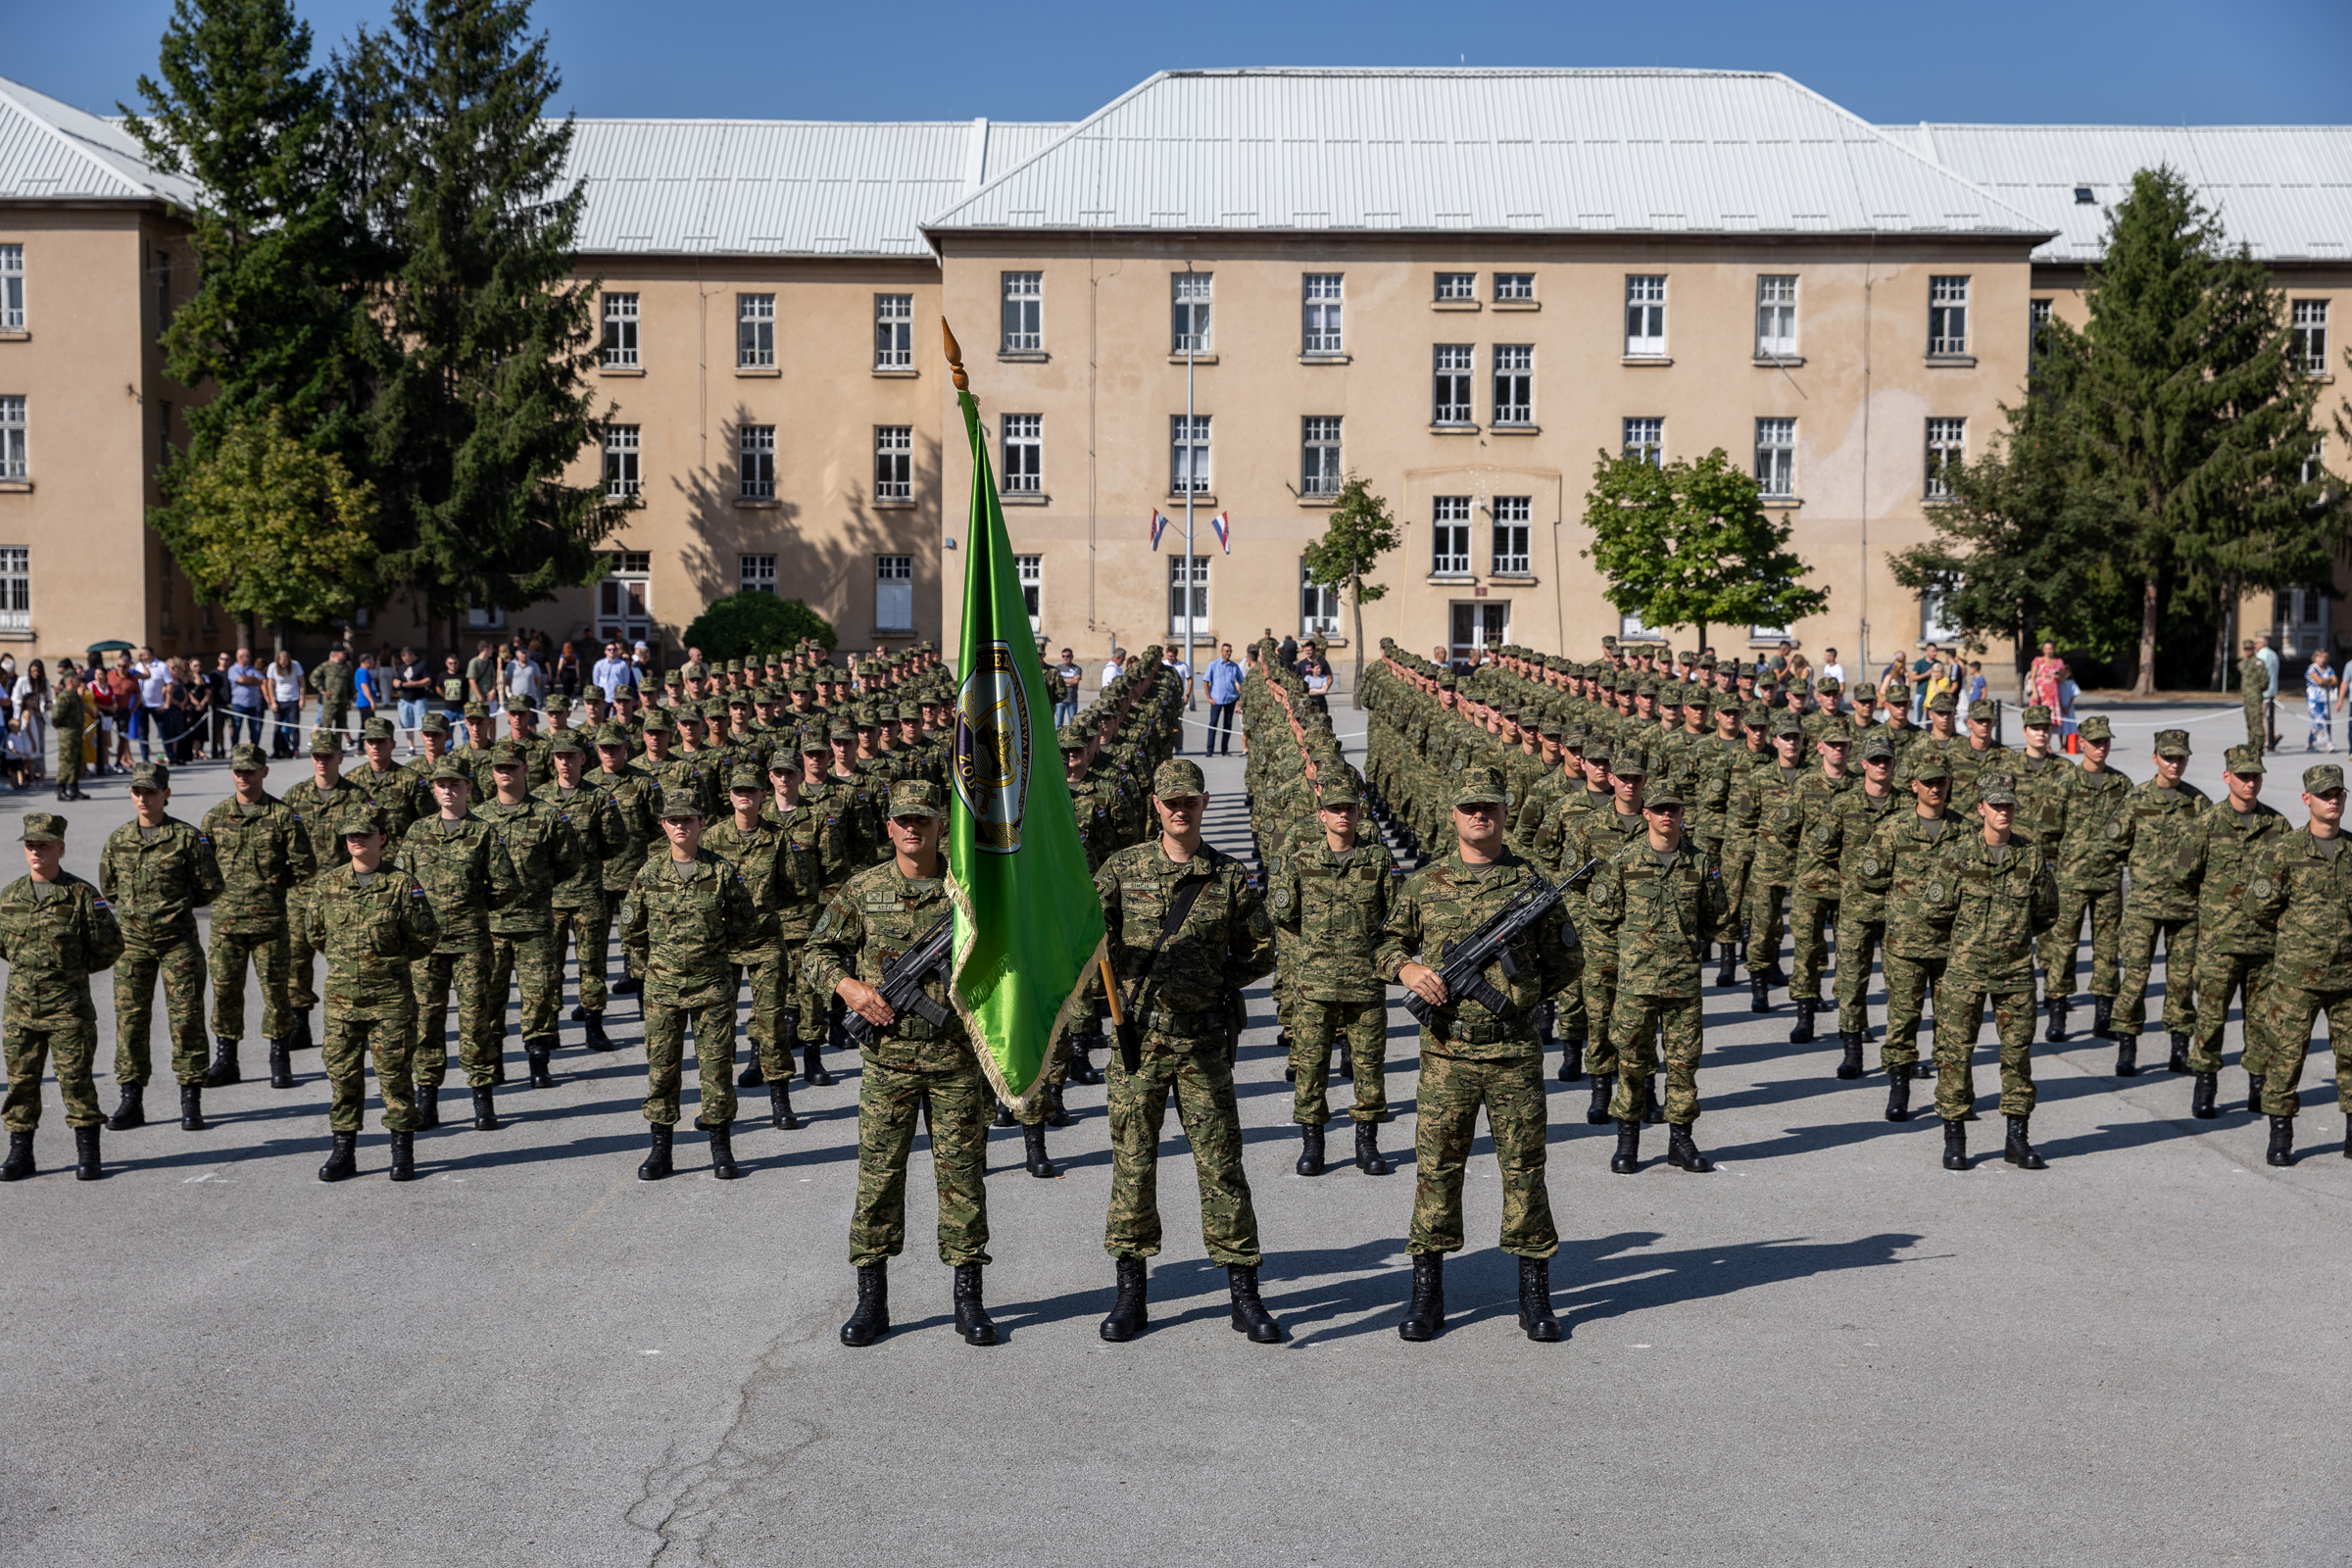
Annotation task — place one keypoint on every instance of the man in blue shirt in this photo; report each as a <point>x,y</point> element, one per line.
<point>614,675</point>
<point>1222,682</point>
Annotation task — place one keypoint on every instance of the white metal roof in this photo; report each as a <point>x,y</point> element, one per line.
<point>2284,190</point>
<point>1595,151</point>
<point>783,188</point>
<point>55,152</point>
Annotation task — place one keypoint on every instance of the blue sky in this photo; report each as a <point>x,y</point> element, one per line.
<point>2157,62</point>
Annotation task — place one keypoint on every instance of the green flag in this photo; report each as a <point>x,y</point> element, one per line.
<point>1027,921</point>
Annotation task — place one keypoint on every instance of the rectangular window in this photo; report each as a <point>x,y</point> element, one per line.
<point>1318,607</point>
<point>1482,625</point>
<point>1458,285</point>
<point>1319,456</point>
<point>1451,402</point>
<point>623,598</point>
<point>1188,456</point>
<point>12,288</point>
<point>2314,457</point>
<point>1514,383</point>
<point>1024,454</point>
<point>16,588</point>
<point>894,463</point>
<point>1947,449</point>
<point>623,477</point>
<point>1936,623</point>
<point>1775,317</point>
<point>757,444</point>
<point>1031,570</point>
<point>1776,456</point>
<point>1449,537</point>
<point>1025,312</point>
<point>1178,581</point>
<point>1322,313</point>
<point>2038,326</point>
<point>754,332</point>
<point>1645,316</point>
<point>620,330</point>
<point>1632,628</point>
<point>1190,304</point>
<point>756,574</point>
<point>1514,285</point>
<point>1645,438</point>
<point>2307,337</point>
<point>1947,315</point>
<point>477,618</point>
<point>1510,514</point>
<point>894,593</point>
<point>893,331</point>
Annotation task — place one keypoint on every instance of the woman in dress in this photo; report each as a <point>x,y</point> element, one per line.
<point>2044,676</point>
<point>568,676</point>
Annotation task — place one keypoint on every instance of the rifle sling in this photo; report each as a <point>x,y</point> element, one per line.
<point>1187,895</point>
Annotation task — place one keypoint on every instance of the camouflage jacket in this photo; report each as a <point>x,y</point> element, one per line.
<point>1188,997</point>
<point>1769,807</point>
<point>2043,791</point>
<point>689,925</point>
<point>1967,764</point>
<point>2231,844</point>
<point>261,856</point>
<point>319,814</point>
<point>636,799</point>
<point>877,916</point>
<point>157,884</point>
<point>1446,902</point>
<point>1903,867</point>
<point>779,867</point>
<point>2000,902</point>
<point>2097,837</point>
<point>1660,912</point>
<point>53,946</point>
<point>1331,909</point>
<point>597,821</point>
<point>2302,889</point>
<point>1844,840</point>
<point>545,851</point>
<point>2160,838</point>
<point>1815,841</point>
<point>465,873</point>
<point>815,844</point>
<point>370,934</point>
<point>395,792</point>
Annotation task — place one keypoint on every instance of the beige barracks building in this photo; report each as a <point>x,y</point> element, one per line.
<point>1230,289</point>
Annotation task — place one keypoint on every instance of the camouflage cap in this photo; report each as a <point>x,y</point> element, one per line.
<point>1838,732</point>
<point>1944,703</point>
<point>813,742</point>
<point>358,820</point>
<point>1997,789</point>
<point>378,729</point>
<point>566,743</point>
<point>1929,770</point>
<point>750,778</point>
<point>2244,761</point>
<point>798,683</point>
<point>477,710</point>
<point>1983,711</point>
<point>734,667</point>
<point>2037,715</point>
<point>841,729</point>
<point>1898,693</point>
<point>697,671</point>
<point>1784,724</point>
<point>2321,779</point>
<point>1829,686</point>
<point>1631,763</point>
<point>658,722</point>
<point>919,797</point>
<point>1876,746</point>
<point>1667,793</point>
<point>43,827</point>
<point>784,759</point>
<point>677,805</point>
<point>1597,750</point>
<point>610,733</point>
<point>2096,728</point>
<point>1480,785</point>
<point>1176,778</point>
<point>326,741</point>
<point>151,777</point>
<point>559,704</point>
<point>1072,738</point>
<point>1550,727</point>
<point>1338,788</point>
<point>245,754</point>
<point>450,767</point>
<point>1755,715</point>
<point>510,754</point>
<point>435,723</point>
<point>2171,742</point>
<point>521,705</point>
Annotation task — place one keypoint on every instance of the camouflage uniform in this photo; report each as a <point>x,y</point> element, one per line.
<point>319,814</point>
<point>2253,680</point>
<point>157,879</point>
<point>261,853</point>
<point>467,874</point>
<point>1660,912</point>
<point>372,927</point>
<point>2001,900</point>
<point>780,863</point>
<point>636,797</point>
<point>582,917</point>
<point>689,915</point>
<point>2234,944</point>
<point>1844,844</point>
<point>54,937</point>
<point>2160,830</point>
<point>2090,874</point>
<point>1330,908</point>
<point>1815,843</point>
<point>1904,866</point>
<point>68,713</point>
<point>1769,807</point>
<point>546,852</point>
<point>2303,890</point>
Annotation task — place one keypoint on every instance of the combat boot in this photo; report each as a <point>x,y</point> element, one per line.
<point>2201,1095</point>
<point>1850,1065</point>
<point>592,1033</point>
<point>2253,1096</point>
<point>191,1109</point>
<point>751,1077</point>
<point>1083,1071</point>
<point>539,1053</point>
<point>722,1150</point>
<point>1425,1317</point>
<point>1572,1060</point>
<point>498,1061</point>
<point>1056,1115</point>
<point>1129,1314</point>
<point>2019,1150</point>
<point>1033,1150</point>
<point>223,1071</point>
<point>86,1167</point>
<point>870,1320</point>
<point>655,1164</point>
<point>1005,1116</point>
<point>2282,1141</point>
<point>2127,1057</point>
<point>1955,1145</point>
<point>2057,1030</point>
<point>19,1164</point>
<point>1536,1317</point>
<point>1759,999</point>
<point>779,1107</point>
<point>1628,1159</point>
<point>281,1064</point>
<point>2102,1016</point>
<point>2180,1058</point>
<point>428,1107</point>
<point>971,1316</point>
<point>342,1161</point>
<point>1728,972</point>
<point>1368,1157</point>
<point>404,1157</point>
<point>812,1064</point>
<point>130,1111</point>
<point>303,1039</point>
<point>1898,1092</point>
<point>1802,1034</point>
<point>485,1109</point>
<point>1310,1149</point>
<point>1250,1314</point>
<point>1682,1151</point>
<point>1603,1084</point>
<point>628,985</point>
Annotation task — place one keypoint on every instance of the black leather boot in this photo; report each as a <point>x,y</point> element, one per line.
<point>2282,1141</point>
<point>1727,973</point>
<point>1250,1314</point>
<point>2253,1096</point>
<point>1083,1071</point>
<point>628,985</point>
<point>1056,1113</point>
<point>1425,1315</point>
<point>224,1069</point>
<point>971,1316</point>
<point>2057,1030</point>
<point>1572,1060</point>
<point>2020,1149</point>
<point>1130,1314</point>
<point>812,1064</point>
<point>281,1064</point>
<point>342,1161</point>
<point>1310,1149</point>
<point>1898,1092</point>
<point>1802,1034</point>
<point>1850,1066</point>
<point>191,1109</point>
<point>2178,1061</point>
<point>722,1150</point>
<point>592,1033</point>
<point>485,1109</point>
<point>2102,1016</point>
<point>1033,1150</point>
<point>19,1164</point>
<point>1628,1159</point>
<point>404,1157</point>
<point>87,1168</point>
<point>130,1111</point>
<point>1005,1116</point>
<point>2201,1095</point>
<point>1759,998</point>
<point>655,1164</point>
<point>779,1107</point>
<point>1955,1145</point>
<point>1603,1084</point>
<point>751,1077</point>
<point>304,1039</point>
<point>1536,1317</point>
<point>1368,1157</point>
<point>1682,1151</point>
<point>540,1055</point>
<point>428,1107</point>
<point>2127,1057</point>
<point>870,1320</point>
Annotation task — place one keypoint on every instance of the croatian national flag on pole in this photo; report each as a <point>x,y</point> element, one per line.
<point>1159,526</point>
<point>1223,524</point>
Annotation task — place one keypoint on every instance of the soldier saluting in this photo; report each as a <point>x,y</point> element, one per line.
<point>56,931</point>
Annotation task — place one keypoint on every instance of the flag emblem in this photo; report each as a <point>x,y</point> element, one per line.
<point>993,749</point>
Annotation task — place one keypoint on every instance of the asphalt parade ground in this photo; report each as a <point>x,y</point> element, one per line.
<point>1829,1350</point>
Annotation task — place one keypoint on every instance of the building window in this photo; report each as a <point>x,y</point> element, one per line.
<point>16,588</point>
<point>1476,626</point>
<point>12,288</point>
<point>1510,515</point>
<point>2300,624</point>
<point>2307,342</point>
<point>1188,454</point>
<point>894,593</point>
<point>1458,285</point>
<point>621,329</point>
<point>1645,439</point>
<point>1514,383</point>
<point>757,444</point>
<point>754,332</point>
<point>1936,623</point>
<point>1453,400</point>
<point>1775,317</point>
<point>1031,572</point>
<point>1947,315</point>
<point>477,618</point>
<point>1322,312</point>
<point>621,475</point>
<point>1025,312</point>
<point>624,596</point>
<point>756,574</point>
<point>1024,454</point>
<point>1319,456</point>
<point>1191,311</point>
<point>1645,316</point>
<point>894,463</point>
<point>1632,628</point>
<point>1947,449</point>
<point>1514,285</point>
<point>893,331</point>
<point>2315,459</point>
<point>1776,456</point>
<point>1449,537</point>
<point>2037,328</point>
<point>1178,599</point>
<point>1318,605</point>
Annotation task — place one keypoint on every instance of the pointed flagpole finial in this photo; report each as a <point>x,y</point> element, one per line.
<point>954,355</point>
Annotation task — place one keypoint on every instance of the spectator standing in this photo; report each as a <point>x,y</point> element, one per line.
<point>641,660</point>
<point>1831,668</point>
<point>1072,675</point>
<point>614,675</point>
<point>2320,686</point>
<point>155,702</point>
<point>1314,672</point>
<point>1114,664</point>
<point>452,686</point>
<point>218,692</point>
<point>567,675</point>
<point>2270,690</point>
<point>191,710</point>
<point>30,697</point>
<point>1221,683</point>
<point>1974,691</point>
<point>366,693</point>
<point>284,679</point>
<point>1923,669</point>
<point>481,675</point>
<point>2043,678</point>
<point>333,681</point>
<point>248,695</point>
<point>412,689</point>
<point>522,677</point>
<point>123,684</point>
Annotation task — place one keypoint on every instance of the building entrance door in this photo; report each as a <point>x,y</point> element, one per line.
<point>1480,624</point>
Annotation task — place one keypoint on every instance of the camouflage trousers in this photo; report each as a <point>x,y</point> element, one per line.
<point>480,1028</point>
<point>1859,940</point>
<point>531,962</point>
<point>2292,1009</point>
<point>1056,1072</point>
<point>1959,1014</point>
<point>232,953</point>
<point>954,1104</point>
<point>775,988</point>
<point>68,757</point>
<point>2139,934</point>
<point>1811,919</point>
<point>178,960</point>
<point>1199,1077</point>
<point>2220,976</point>
<point>388,1030</point>
<point>589,933</point>
<point>1735,864</point>
<point>1313,1026</point>
<point>2258,727</point>
<point>1636,1027</point>
<point>1451,1090</point>
<point>1909,982</point>
<point>2061,944</point>
<point>665,1021</point>
<point>296,952</point>
<point>1600,1008</point>
<point>1767,906</point>
<point>71,1043</point>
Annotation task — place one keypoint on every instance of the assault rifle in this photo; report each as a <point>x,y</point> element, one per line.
<point>1463,963</point>
<point>902,985</point>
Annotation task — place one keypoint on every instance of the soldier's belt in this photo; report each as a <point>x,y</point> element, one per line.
<point>1190,1025</point>
<point>1488,1033</point>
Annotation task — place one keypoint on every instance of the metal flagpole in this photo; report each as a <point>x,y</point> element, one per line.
<point>1192,483</point>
